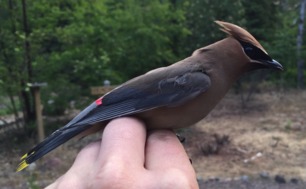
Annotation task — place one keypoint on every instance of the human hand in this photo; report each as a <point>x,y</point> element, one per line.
<point>130,158</point>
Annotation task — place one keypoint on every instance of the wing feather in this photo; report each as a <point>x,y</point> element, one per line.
<point>168,92</point>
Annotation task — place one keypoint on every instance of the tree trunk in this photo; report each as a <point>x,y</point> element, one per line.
<point>300,61</point>
<point>29,114</point>
<point>14,107</point>
<point>27,58</point>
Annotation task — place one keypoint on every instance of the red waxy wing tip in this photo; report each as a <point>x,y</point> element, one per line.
<point>99,101</point>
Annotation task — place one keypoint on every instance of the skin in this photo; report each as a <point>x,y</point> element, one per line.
<point>129,157</point>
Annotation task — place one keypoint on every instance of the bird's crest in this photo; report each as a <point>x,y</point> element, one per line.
<point>239,34</point>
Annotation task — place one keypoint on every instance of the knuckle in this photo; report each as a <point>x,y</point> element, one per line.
<point>178,179</point>
<point>70,181</point>
<point>113,175</point>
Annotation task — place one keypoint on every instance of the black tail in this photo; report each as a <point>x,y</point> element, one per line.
<point>51,142</point>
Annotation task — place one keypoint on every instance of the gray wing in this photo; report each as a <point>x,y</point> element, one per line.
<point>131,99</point>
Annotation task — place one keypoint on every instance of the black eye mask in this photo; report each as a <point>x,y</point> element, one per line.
<point>254,52</point>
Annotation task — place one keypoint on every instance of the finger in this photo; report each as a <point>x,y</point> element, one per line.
<point>86,158</point>
<point>164,151</point>
<point>123,141</point>
<point>52,186</point>
<point>67,181</point>
<point>80,170</point>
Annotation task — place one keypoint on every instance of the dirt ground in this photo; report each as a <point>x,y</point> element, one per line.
<point>233,147</point>
<point>273,127</point>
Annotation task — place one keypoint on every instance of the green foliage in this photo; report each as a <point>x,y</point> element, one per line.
<point>262,18</point>
<point>11,41</point>
<point>78,44</point>
<point>201,15</point>
<point>282,45</point>
<point>56,99</point>
<point>32,181</point>
<point>68,43</point>
<point>6,107</point>
<point>144,29</point>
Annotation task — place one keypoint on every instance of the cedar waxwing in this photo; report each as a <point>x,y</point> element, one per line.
<point>169,97</point>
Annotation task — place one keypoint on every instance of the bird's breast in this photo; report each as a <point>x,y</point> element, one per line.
<point>186,114</point>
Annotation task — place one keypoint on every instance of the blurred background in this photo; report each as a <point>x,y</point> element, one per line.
<point>66,47</point>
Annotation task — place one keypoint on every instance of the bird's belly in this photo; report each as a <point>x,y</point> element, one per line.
<point>181,116</point>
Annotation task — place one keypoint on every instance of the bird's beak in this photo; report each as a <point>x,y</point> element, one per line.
<point>272,64</point>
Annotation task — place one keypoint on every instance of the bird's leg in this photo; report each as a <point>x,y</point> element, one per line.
<point>180,137</point>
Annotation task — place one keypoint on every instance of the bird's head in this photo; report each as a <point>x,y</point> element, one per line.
<point>256,54</point>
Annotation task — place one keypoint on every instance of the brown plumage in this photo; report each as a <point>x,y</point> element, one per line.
<point>239,33</point>
<point>170,97</point>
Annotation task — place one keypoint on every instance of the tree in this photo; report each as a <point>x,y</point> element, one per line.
<point>300,62</point>
<point>256,14</point>
<point>141,34</point>
<point>84,43</point>
<point>28,103</point>
<point>201,15</point>
<point>11,38</point>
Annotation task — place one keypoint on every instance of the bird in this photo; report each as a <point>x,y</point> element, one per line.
<point>171,97</point>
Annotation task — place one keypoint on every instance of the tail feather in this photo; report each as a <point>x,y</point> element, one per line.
<point>54,140</point>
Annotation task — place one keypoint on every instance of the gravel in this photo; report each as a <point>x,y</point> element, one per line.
<point>250,184</point>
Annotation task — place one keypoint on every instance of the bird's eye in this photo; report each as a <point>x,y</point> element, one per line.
<point>248,49</point>
<point>254,53</point>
